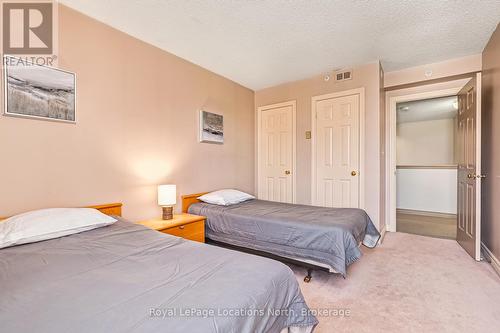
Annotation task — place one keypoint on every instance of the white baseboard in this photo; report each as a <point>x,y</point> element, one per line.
<point>489,256</point>
<point>426,213</point>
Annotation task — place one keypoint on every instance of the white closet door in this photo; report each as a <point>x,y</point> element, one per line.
<point>337,152</point>
<point>275,151</point>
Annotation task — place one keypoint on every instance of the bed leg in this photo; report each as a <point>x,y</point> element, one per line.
<point>308,277</point>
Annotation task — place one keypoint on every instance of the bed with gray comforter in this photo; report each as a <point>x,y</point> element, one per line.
<point>126,278</point>
<point>330,236</point>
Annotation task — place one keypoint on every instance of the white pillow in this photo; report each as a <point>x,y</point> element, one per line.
<point>225,197</point>
<point>50,223</point>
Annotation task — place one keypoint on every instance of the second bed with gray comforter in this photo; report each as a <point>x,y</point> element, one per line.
<point>326,235</point>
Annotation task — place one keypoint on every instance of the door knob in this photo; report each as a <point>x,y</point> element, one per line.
<point>287,172</point>
<point>470,175</point>
<point>353,173</point>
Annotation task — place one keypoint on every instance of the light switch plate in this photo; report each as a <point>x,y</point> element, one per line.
<point>308,134</point>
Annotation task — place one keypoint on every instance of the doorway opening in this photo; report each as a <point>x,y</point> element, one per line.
<point>467,156</point>
<point>426,166</point>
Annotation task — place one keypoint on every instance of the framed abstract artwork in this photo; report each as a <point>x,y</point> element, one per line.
<point>38,92</point>
<point>211,127</point>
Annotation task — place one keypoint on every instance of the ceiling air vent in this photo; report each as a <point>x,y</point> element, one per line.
<point>343,75</point>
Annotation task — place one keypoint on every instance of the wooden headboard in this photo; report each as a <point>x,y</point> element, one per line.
<point>108,209</point>
<point>189,199</point>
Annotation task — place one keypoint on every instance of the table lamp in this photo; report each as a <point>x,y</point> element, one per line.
<point>167,195</point>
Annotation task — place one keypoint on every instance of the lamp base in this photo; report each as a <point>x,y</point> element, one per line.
<point>168,213</point>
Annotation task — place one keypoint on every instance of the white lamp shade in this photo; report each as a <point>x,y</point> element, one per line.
<point>167,195</point>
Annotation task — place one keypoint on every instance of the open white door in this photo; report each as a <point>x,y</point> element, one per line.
<point>469,167</point>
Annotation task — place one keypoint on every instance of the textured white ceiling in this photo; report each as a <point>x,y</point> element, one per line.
<point>427,109</point>
<point>264,43</point>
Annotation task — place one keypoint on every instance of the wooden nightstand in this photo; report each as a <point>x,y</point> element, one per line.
<point>184,225</point>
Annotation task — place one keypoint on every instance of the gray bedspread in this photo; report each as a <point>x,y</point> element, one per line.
<point>126,278</point>
<point>326,235</point>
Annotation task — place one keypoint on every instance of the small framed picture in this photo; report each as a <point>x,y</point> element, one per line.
<point>211,127</point>
<point>38,92</point>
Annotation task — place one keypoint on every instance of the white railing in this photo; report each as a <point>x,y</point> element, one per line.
<point>427,188</point>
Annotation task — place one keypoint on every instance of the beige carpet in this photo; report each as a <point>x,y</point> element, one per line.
<point>409,283</point>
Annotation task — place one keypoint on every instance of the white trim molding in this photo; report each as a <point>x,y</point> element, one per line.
<point>260,109</point>
<point>479,168</point>
<point>314,100</point>
<point>383,232</point>
<point>490,257</point>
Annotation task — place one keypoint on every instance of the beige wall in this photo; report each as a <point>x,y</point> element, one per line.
<point>137,109</point>
<point>302,91</point>
<point>491,144</point>
<point>440,70</point>
<point>429,142</point>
